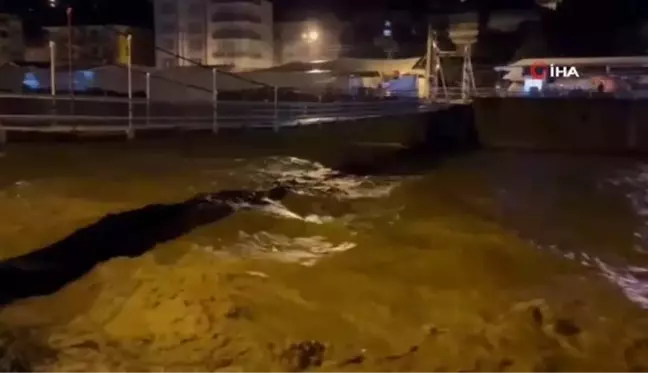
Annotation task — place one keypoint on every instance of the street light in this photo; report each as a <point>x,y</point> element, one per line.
<point>311,36</point>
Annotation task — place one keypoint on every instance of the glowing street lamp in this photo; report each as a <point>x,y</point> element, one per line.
<point>52,3</point>
<point>311,36</point>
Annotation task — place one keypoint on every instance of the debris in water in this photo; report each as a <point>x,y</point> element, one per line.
<point>257,274</point>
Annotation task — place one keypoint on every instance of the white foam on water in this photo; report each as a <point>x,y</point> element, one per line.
<point>278,209</point>
<point>314,179</point>
<point>636,180</point>
<point>306,251</point>
<point>629,279</point>
<point>634,287</point>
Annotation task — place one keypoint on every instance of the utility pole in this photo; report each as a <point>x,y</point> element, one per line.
<point>52,48</point>
<point>130,133</point>
<point>70,69</point>
<point>428,62</point>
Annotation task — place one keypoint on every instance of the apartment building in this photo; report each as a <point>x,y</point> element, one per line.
<point>93,45</point>
<point>236,33</point>
<point>12,42</point>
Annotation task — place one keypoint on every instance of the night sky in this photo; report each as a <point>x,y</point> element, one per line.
<point>139,12</point>
<point>582,26</point>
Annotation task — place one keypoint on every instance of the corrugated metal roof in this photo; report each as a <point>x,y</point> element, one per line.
<point>630,60</point>
<point>350,65</point>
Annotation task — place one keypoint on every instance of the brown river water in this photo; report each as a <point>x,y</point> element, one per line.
<point>485,261</point>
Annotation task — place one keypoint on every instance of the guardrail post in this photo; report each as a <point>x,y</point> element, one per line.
<point>631,134</point>
<point>276,109</point>
<point>3,138</point>
<point>214,101</point>
<point>130,133</point>
<point>148,98</point>
<point>52,48</point>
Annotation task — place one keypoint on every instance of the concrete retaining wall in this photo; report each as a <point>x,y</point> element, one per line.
<point>604,125</point>
<point>361,142</point>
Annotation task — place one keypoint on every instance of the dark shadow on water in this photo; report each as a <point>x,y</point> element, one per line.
<point>126,234</point>
<point>405,162</point>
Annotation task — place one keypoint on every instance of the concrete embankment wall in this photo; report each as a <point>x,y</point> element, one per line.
<point>602,125</point>
<point>361,141</point>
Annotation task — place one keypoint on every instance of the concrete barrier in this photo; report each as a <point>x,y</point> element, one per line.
<point>602,125</point>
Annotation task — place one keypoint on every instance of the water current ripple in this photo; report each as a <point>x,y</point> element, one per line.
<point>631,279</point>
<point>308,179</point>
<point>314,179</point>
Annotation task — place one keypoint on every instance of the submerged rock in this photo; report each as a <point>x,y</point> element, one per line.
<point>566,327</point>
<point>20,353</point>
<point>303,355</point>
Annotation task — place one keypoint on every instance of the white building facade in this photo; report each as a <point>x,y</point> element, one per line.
<point>236,33</point>
<point>12,41</point>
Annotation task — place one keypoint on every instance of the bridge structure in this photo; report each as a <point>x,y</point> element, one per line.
<point>66,114</point>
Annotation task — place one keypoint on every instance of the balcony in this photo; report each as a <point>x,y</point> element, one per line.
<point>236,34</point>
<point>236,55</point>
<point>255,2</point>
<point>235,17</point>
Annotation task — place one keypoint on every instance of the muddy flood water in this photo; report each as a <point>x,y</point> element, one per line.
<point>486,261</point>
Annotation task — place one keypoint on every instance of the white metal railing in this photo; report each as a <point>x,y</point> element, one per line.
<point>454,94</point>
<point>62,113</point>
<point>566,94</point>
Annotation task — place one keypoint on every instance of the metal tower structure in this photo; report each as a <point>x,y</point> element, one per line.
<point>468,87</point>
<point>435,76</point>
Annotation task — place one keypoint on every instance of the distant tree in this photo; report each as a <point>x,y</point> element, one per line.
<point>387,44</point>
<point>533,46</point>
<point>532,42</point>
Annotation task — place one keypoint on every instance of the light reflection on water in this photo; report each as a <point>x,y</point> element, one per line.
<point>570,207</point>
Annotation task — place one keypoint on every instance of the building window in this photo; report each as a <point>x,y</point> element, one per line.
<point>227,46</point>
<point>196,8</point>
<point>236,55</point>
<point>196,45</point>
<point>168,7</point>
<point>195,28</point>
<point>167,44</point>
<point>235,17</point>
<point>167,28</point>
<point>387,30</point>
<point>232,33</point>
